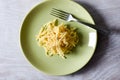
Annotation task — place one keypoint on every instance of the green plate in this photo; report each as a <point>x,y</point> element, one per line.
<point>55,65</point>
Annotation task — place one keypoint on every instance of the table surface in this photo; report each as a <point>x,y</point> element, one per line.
<point>104,65</point>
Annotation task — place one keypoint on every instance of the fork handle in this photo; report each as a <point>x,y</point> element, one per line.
<point>96,27</point>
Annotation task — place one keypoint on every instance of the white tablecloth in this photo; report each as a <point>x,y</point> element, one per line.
<point>105,64</point>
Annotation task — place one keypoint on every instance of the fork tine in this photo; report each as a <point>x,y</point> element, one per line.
<point>59,13</point>
<point>53,11</point>
<point>56,15</point>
